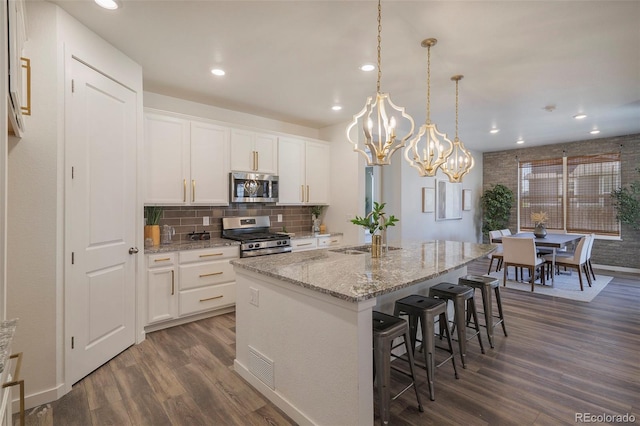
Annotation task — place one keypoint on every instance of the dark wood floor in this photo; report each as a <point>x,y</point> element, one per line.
<point>561,358</point>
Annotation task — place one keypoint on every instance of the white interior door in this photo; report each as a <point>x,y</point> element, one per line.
<point>100,218</point>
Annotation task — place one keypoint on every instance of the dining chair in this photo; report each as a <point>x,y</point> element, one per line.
<point>577,260</point>
<point>591,241</point>
<point>521,253</point>
<point>497,254</point>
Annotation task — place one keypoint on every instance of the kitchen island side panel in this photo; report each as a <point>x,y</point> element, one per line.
<point>320,347</point>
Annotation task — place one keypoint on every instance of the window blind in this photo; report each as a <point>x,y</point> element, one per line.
<point>541,190</point>
<point>590,181</point>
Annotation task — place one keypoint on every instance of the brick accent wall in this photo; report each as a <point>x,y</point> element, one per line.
<point>189,219</point>
<point>501,167</point>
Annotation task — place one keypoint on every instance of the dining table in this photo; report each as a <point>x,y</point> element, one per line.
<point>551,240</point>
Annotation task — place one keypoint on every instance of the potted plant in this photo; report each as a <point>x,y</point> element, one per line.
<point>152,225</point>
<point>375,222</point>
<point>496,206</point>
<point>539,219</point>
<point>627,203</point>
<point>316,211</point>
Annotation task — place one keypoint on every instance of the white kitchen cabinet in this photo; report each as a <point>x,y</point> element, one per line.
<point>303,170</point>
<point>303,244</point>
<point>162,298</point>
<point>186,161</point>
<point>253,152</point>
<point>207,279</point>
<point>191,284</point>
<point>329,241</point>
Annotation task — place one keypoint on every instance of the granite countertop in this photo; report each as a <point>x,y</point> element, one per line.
<point>190,245</point>
<point>7,330</point>
<point>356,277</point>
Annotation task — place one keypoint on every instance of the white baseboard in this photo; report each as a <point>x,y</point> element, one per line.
<point>35,399</point>
<point>617,268</point>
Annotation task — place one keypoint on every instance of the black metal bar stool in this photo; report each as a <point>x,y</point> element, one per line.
<point>426,309</point>
<point>486,284</point>
<point>462,298</point>
<point>386,328</point>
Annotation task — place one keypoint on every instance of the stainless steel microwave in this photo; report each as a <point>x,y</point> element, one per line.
<point>253,188</point>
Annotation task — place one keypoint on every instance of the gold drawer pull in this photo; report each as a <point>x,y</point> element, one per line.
<point>212,254</point>
<point>334,241</point>
<point>305,244</point>
<point>164,259</point>
<point>213,273</point>
<point>211,298</point>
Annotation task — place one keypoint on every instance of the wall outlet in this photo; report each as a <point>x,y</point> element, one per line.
<point>253,294</point>
<point>279,218</point>
<point>205,220</point>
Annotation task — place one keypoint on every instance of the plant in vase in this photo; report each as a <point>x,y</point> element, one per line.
<point>539,219</point>
<point>316,211</point>
<point>376,221</point>
<point>152,225</point>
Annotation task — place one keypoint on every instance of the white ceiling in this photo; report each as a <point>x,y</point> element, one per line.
<point>293,60</point>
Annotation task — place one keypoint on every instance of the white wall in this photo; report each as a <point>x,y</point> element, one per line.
<point>4,139</point>
<point>347,185</point>
<point>36,198</point>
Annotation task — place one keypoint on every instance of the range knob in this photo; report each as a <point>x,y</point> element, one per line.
<point>256,245</point>
<point>250,245</point>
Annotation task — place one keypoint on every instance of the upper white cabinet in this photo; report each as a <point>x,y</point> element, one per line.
<point>253,152</point>
<point>303,170</point>
<point>186,161</point>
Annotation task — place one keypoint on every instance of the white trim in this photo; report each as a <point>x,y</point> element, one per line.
<point>617,269</point>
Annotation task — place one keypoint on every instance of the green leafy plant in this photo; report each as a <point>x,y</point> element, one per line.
<point>496,205</point>
<point>626,200</point>
<point>316,211</point>
<point>376,220</point>
<point>153,214</point>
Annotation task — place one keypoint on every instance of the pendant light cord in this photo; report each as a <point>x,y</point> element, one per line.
<point>379,44</point>
<point>428,85</point>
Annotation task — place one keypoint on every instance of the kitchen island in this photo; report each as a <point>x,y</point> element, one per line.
<point>303,321</point>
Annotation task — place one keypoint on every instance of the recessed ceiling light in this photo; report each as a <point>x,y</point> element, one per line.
<point>580,116</point>
<point>520,141</point>
<point>594,131</point>
<point>368,67</point>
<point>107,4</point>
<point>217,71</point>
<point>494,131</point>
<point>336,107</point>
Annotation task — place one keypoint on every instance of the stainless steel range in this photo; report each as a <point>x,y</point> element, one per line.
<point>254,236</point>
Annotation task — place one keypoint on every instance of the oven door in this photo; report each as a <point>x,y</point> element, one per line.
<point>253,188</point>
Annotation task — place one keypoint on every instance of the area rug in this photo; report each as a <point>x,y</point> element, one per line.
<point>566,286</point>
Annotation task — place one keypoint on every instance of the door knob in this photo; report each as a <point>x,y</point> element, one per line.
<point>133,250</point>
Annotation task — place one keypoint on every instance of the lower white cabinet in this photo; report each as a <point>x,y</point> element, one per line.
<point>184,283</point>
<point>329,241</point>
<point>162,303</point>
<point>302,244</point>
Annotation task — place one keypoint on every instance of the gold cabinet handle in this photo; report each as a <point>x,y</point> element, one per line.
<point>212,298</point>
<point>184,190</point>
<point>173,282</point>
<point>305,244</point>
<point>307,193</point>
<point>193,190</point>
<point>334,241</point>
<point>211,274</point>
<point>164,259</point>
<point>257,160</point>
<point>211,254</point>
<point>253,161</point>
<point>302,193</point>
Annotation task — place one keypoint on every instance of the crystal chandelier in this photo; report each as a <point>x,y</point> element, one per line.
<point>459,162</point>
<point>428,157</point>
<point>378,122</point>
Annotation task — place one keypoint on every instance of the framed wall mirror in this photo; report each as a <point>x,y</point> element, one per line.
<point>448,200</point>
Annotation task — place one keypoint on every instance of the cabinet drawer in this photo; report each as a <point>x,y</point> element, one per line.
<point>324,242</point>
<point>211,254</point>
<point>203,274</point>
<point>304,244</point>
<point>160,259</point>
<point>203,299</point>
